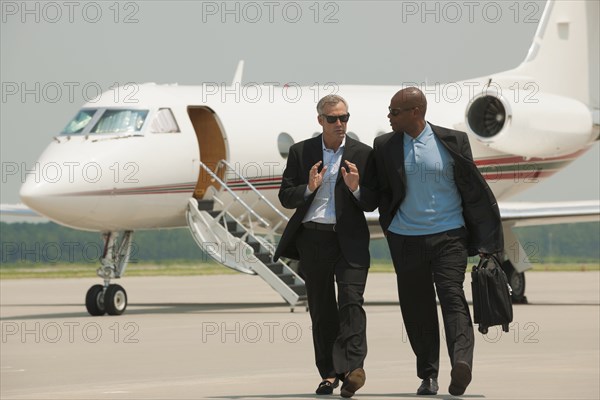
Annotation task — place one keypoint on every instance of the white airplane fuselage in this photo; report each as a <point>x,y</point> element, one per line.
<point>143,180</point>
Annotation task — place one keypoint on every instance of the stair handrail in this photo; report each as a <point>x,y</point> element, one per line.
<point>235,196</point>
<point>255,190</point>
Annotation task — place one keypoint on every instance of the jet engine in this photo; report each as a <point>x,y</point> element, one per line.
<point>529,124</point>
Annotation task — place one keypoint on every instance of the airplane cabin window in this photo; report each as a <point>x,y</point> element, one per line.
<point>284,142</point>
<point>164,122</point>
<point>79,122</point>
<point>121,121</point>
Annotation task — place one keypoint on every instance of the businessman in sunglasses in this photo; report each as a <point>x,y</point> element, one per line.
<point>435,208</point>
<point>330,181</point>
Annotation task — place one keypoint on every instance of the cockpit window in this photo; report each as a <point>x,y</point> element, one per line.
<point>120,121</point>
<point>79,122</point>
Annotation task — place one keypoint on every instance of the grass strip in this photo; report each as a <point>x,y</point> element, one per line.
<point>43,271</point>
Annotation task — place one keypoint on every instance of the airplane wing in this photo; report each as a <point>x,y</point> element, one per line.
<point>526,214</point>
<point>18,210</point>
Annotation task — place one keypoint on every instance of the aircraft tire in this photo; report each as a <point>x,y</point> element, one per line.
<point>115,300</point>
<point>517,283</point>
<point>94,300</point>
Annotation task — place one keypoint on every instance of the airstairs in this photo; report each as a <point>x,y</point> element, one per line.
<point>230,230</point>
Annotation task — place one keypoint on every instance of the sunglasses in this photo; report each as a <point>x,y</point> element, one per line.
<point>332,119</point>
<point>396,111</point>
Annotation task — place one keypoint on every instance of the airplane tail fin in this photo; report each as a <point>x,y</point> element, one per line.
<point>237,76</point>
<point>564,55</point>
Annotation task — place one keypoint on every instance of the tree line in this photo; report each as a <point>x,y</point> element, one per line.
<point>52,243</point>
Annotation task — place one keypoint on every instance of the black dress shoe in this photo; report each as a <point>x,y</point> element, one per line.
<point>327,387</point>
<point>461,377</point>
<point>352,382</point>
<point>429,387</point>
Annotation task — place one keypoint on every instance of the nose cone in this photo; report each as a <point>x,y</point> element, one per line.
<point>34,194</point>
<point>29,195</point>
<point>53,188</point>
<point>52,199</point>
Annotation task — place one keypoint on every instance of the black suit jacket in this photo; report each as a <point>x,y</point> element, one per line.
<point>480,208</point>
<point>351,225</point>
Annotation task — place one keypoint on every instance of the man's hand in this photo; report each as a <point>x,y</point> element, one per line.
<point>351,178</point>
<point>315,178</point>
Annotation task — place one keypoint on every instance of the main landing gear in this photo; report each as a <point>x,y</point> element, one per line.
<point>110,298</point>
<point>516,280</point>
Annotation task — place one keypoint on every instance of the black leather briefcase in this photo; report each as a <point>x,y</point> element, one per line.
<point>492,303</point>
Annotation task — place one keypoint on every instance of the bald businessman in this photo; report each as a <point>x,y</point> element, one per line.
<point>435,209</point>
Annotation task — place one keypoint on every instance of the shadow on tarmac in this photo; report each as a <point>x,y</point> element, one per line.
<point>199,308</point>
<point>361,394</point>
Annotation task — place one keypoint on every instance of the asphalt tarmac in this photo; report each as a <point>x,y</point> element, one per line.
<point>232,337</point>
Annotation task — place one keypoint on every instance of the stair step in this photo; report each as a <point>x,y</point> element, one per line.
<point>264,257</point>
<point>231,225</point>
<point>206,205</point>
<point>277,267</point>
<point>229,218</point>
<point>287,279</point>
<point>255,245</point>
<point>299,289</point>
<point>226,221</point>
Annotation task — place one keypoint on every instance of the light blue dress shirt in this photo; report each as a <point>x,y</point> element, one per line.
<point>322,209</point>
<point>433,203</point>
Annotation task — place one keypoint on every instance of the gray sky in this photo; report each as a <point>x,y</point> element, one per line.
<point>52,51</point>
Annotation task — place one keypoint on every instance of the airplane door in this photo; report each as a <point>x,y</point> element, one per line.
<point>211,143</point>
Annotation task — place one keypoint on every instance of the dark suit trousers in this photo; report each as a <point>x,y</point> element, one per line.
<point>420,262</point>
<point>338,329</point>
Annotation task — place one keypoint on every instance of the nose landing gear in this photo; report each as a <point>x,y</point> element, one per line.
<point>110,298</point>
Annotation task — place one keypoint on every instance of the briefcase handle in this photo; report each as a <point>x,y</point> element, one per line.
<point>485,259</point>
<point>484,262</point>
